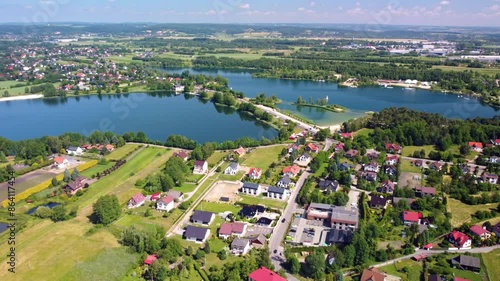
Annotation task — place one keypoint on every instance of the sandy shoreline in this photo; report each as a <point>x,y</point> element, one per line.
<point>22,97</point>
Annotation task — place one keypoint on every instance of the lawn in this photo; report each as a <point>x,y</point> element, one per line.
<point>461,212</point>
<point>5,85</point>
<point>250,200</point>
<point>364,132</point>
<point>218,207</point>
<point>172,218</point>
<point>186,187</point>
<point>96,169</point>
<point>217,244</point>
<point>490,261</point>
<point>263,157</point>
<point>212,259</point>
<point>216,157</point>
<point>239,175</point>
<point>414,270</point>
<point>138,221</point>
<point>321,169</point>
<point>409,150</point>
<point>490,71</point>
<point>407,166</point>
<point>120,152</point>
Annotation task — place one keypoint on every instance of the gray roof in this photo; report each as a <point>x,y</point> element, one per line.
<point>196,232</point>
<point>343,214</point>
<point>378,201</point>
<point>274,189</point>
<point>240,243</point>
<point>251,185</point>
<point>339,236</point>
<point>72,148</point>
<point>202,216</point>
<point>175,194</point>
<point>234,165</point>
<point>467,261</point>
<point>286,180</point>
<point>328,184</point>
<point>306,155</point>
<point>321,206</point>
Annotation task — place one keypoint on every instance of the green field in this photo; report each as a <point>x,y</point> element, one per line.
<point>121,59</point>
<point>96,169</point>
<point>461,212</point>
<point>490,261</point>
<point>5,85</point>
<point>218,207</point>
<point>407,166</point>
<point>262,157</point>
<point>409,150</point>
<point>120,152</point>
<point>250,200</point>
<point>239,175</point>
<point>364,132</point>
<point>490,71</point>
<point>414,270</point>
<point>186,187</point>
<point>217,157</point>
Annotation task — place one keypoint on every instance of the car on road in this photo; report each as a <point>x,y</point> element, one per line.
<point>283,220</point>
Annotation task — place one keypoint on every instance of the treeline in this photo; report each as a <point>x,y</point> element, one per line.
<point>409,127</point>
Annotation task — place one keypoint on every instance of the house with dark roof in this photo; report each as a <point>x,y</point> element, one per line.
<point>264,274</point>
<point>466,263</point>
<point>200,167</point>
<point>279,193</point>
<point>136,201</point>
<point>182,154</point>
<point>489,178</point>
<point>496,229</point>
<point>77,184</point>
<point>328,185</point>
<point>251,188</point>
<point>240,246</point>
<point>480,232</point>
<point>74,150</point>
<point>435,277</point>
<point>258,241</point>
<point>351,153</point>
<point>370,176</point>
<point>227,230</point>
<point>251,211</point>
<point>391,170</point>
<point>202,217</point>
<point>232,169</point>
<point>378,202</point>
<point>344,166</point>
<point>196,234</point>
<point>425,191</point>
<point>263,221</point>
<point>339,236</point>
<point>305,157</point>
<point>284,182</point>
<point>372,156</point>
<point>372,274</point>
<point>459,239</point>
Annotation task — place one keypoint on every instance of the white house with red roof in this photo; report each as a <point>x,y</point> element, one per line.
<point>136,201</point>
<point>227,230</point>
<point>476,146</point>
<point>61,162</point>
<point>410,217</point>
<point>392,148</point>
<point>391,160</point>
<point>264,274</point>
<point>481,232</point>
<point>155,196</point>
<point>200,167</point>
<point>255,173</point>
<point>165,204</point>
<point>459,239</point>
<point>291,171</point>
<point>312,148</point>
<point>490,178</point>
<point>496,142</point>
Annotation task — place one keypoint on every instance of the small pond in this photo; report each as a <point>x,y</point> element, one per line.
<point>50,205</point>
<point>3,227</point>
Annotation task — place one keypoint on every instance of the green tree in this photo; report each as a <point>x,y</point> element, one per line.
<point>75,174</point>
<point>314,266</point>
<point>293,264</point>
<point>322,134</point>
<point>3,159</point>
<point>222,255</point>
<point>106,209</point>
<point>26,90</point>
<point>54,181</point>
<point>156,272</point>
<point>43,212</point>
<point>58,213</point>
<point>6,94</point>
<point>67,176</point>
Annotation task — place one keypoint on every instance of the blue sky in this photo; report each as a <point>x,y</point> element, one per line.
<point>414,12</point>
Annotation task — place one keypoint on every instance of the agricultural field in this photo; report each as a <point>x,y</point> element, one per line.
<point>490,261</point>
<point>120,152</point>
<point>461,213</point>
<point>490,71</point>
<point>26,181</point>
<point>262,157</point>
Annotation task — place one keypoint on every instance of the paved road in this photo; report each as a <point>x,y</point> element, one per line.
<point>281,228</point>
<point>328,144</point>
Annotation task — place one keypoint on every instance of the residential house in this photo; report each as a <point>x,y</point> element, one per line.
<point>240,151</point>
<point>200,167</point>
<point>494,160</point>
<point>436,166</point>
<point>372,156</point>
<point>466,263</point>
<point>74,150</point>
<point>335,216</point>
<point>109,147</point>
<point>328,185</point>
<point>196,234</point>
<point>177,195</point>
<point>371,167</point>
<point>240,246</point>
<point>495,142</point>
<point>291,171</point>
<point>372,274</point>
<point>391,160</point>
<point>61,162</point>
<point>346,135</point>
<point>264,274</point>
<point>232,169</point>
<point>370,176</point>
<point>312,148</point>
<point>251,188</point>
<point>481,232</point>
<point>254,173</point>
<point>165,204</point>
<point>293,147</point>
<point>351,153</point>
<point>178,88</point>
<point>155,196</point>
<point>490,178</point>
<point>378,202</point>
<point>277,193</point>
<point>263,221</point>
<point>434,277</point>
<point>393,148</point>
<point>77,184</point>
<point>476,146</point>
<point>150,259</point>
<point>136,201</point>
<point>339,236</point>
<point>202,217</point>
<point>388,186</point>
<point>496,229</point>
<point>251,211</point>
<point>459,239</point>
<point>339,147</point>
<point>410,217</point>
<point>304,157</point>
<point>227,230</point>
<point>418,163</point>
<point>391,170</point>
<point>284,182</point>
<point>182,154</point>
<point>425,191</point>
<point>344,166</point>
<point>258,241</point>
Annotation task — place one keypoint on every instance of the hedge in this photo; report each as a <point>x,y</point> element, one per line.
<point>41,186</point>
<point>201,271</point>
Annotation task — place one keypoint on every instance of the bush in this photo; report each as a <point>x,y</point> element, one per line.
<point>43,212</point>
<point>222,255</point>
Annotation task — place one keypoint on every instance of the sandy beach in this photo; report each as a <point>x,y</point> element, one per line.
<point>22,97</point>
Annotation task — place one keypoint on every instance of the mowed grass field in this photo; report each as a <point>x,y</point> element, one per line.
<point>218,207</point>
<point>489,71</point>
<point>262,157</point>
<point>414,270</point>
<point>461,212</point>
<point>409,150</point>
<point>490,261</point>
<point>120,152</point>
<point>271,203</point>
<point>50,251</point>
<point>407,166</point>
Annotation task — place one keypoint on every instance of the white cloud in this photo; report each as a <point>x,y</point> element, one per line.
<point>46,2</point>
<point>211,12</point>
<point>494,8</point>
<point>301,9</point>
<point>245,6</point>
<point>444,3</point>
<point>340,8</point>
<point>312,3</point>
<point>257,13</point>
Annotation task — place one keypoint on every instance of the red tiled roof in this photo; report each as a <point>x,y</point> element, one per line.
<point>372,274</point>
<point>428,246</point>
<point>345,135</point>
<point>291,169</point>
<point>255,171</point>
<point>392,146</point>
<point>460,279</point>
<point>155,196</point>
<point>167,199</point>
<point>264,274</point>
<point>476,144</point>
<point>411,216</point>
<point>240,151</point>
<point>150,259</point>
<point>390,158</point>
<point>226,229</point>
<point>138,198</point>
<point>459,237</point>
<point>476,229</point>
<point>59,159</point>
<point>312,147</point>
